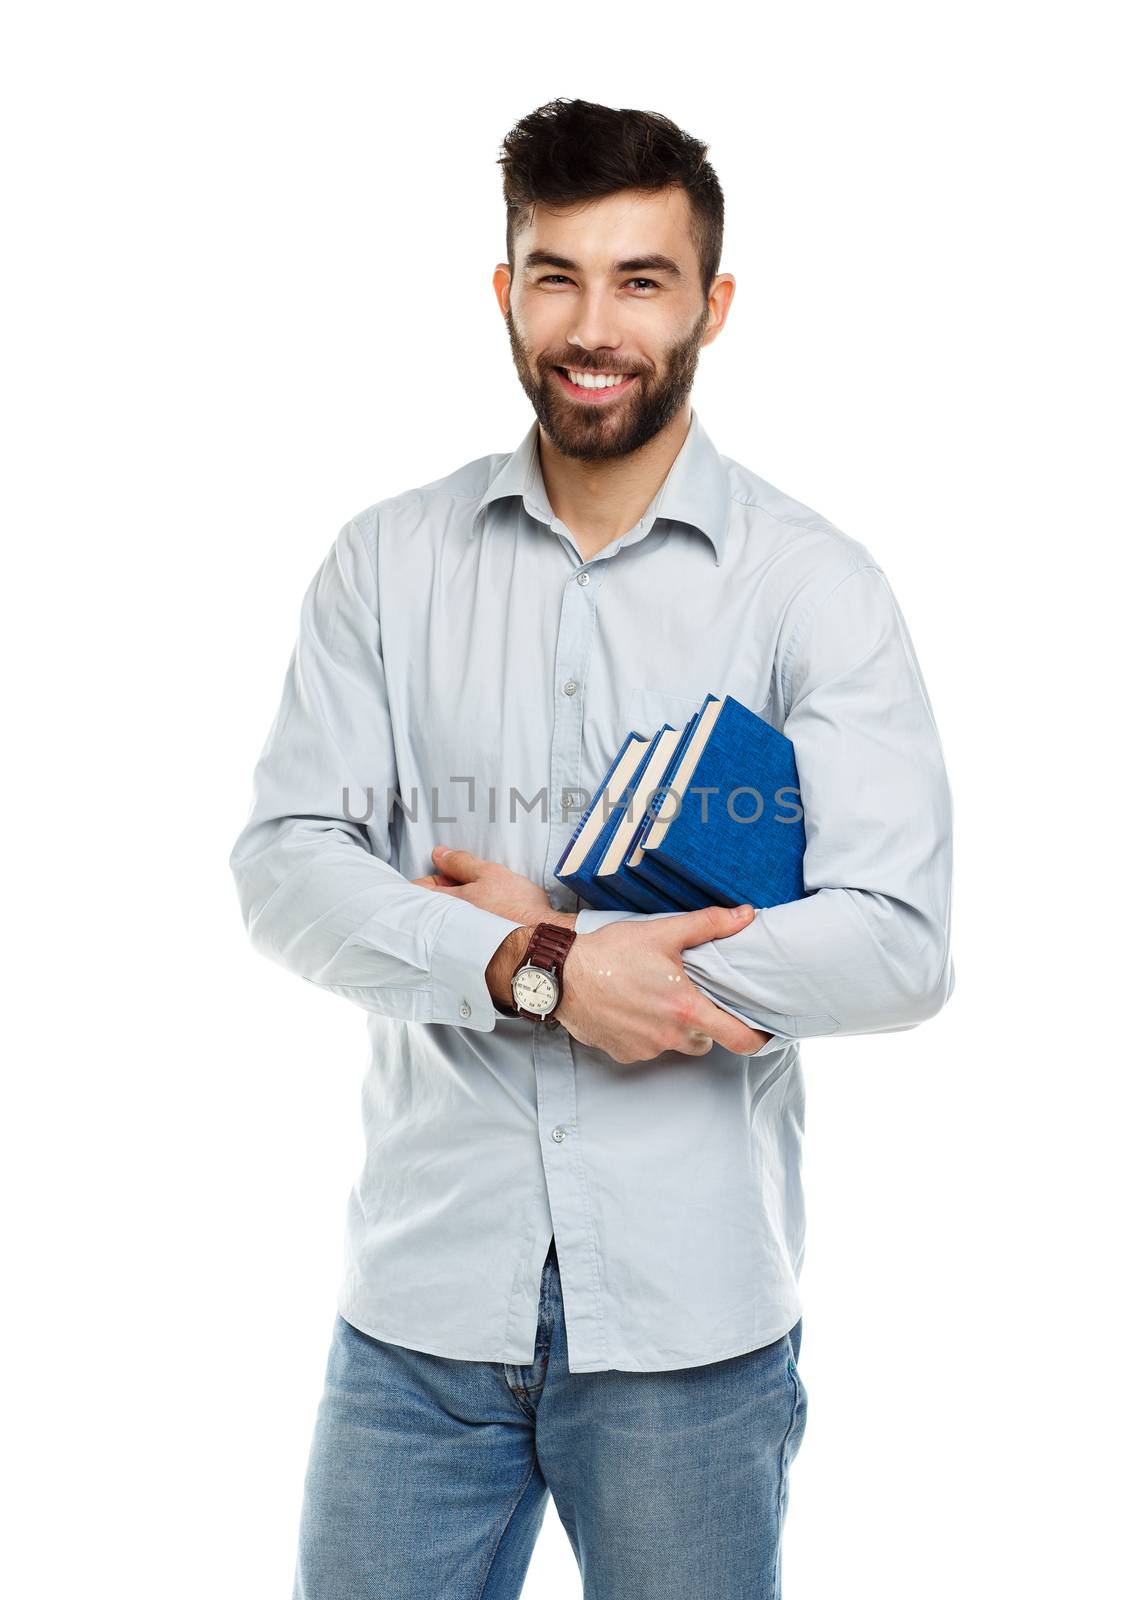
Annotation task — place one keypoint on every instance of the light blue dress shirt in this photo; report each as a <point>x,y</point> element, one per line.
<point>459,664</point>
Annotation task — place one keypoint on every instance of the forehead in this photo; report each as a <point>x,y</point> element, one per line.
<point>598,232</point>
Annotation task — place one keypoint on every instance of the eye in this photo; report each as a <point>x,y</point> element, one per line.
<point>552,277</point>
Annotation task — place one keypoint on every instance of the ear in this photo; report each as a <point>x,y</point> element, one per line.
<point>502,283</point>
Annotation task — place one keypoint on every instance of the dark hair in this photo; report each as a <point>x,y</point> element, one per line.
<point>572,150</point>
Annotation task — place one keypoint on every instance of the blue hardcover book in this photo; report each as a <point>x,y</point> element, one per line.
<point>673,892</point>
<point>640,895</point>
<point>592,834</point>
<point>604,783</point>
<point>610,880</point>
<point>731,829</point>
<point>645,895</point>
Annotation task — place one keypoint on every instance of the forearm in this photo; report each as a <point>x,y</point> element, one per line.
<point>324,907</point>
<point>319,892</point>
<point>841,961</point>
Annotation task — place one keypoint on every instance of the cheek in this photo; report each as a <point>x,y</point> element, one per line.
<point>540,321</point>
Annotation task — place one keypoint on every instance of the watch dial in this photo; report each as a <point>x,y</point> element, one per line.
<point>534,990</point>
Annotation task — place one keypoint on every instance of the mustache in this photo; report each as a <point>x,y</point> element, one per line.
<point>594,367</point>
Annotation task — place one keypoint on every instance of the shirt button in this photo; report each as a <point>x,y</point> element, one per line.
<point>571,686</point>
<point>583,578</point>
<point>463,1010</point>
<point>559,1133</point>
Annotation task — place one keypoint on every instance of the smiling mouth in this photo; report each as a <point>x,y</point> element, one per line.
<point>596,394</point>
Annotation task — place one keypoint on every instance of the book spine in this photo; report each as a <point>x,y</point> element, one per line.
<point>645,896</point>
<point>756,891</point>
<point>598,894</point>
<point>665,882</point>
<point>702,883</point>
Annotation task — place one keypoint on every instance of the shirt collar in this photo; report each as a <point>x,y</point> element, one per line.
<point>696,490</point>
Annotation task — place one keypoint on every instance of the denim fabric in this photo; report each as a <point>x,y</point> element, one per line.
<point>429,1477</point>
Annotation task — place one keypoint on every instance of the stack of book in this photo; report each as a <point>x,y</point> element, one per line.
<point>707,814</point>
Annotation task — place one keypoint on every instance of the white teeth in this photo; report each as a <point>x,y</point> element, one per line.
<point>597,380</point>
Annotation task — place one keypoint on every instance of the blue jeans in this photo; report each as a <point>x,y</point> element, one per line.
<point>429,1478</point>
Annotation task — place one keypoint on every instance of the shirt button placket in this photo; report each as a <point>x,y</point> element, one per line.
<point>566,1182</point>
<point>574,636</point>
<point>562,1157</point>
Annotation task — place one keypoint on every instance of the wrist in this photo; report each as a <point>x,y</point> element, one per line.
<point>505,961</point>
<point>511,951</point>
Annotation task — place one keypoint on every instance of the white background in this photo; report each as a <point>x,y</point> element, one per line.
<point>247,294</point>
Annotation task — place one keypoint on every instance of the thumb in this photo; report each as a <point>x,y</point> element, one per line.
<point>459,864</point>
<point>711,922</point>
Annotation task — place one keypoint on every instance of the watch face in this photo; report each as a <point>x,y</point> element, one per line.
<point>534,990</point>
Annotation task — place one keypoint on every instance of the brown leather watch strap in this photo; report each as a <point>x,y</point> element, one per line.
<point>548,948</point>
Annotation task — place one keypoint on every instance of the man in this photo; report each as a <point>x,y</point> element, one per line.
<point>572,1254</point>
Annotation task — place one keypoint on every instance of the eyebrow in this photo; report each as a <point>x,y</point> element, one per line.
<point>652,263</point>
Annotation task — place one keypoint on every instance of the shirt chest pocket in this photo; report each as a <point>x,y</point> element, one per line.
<point>645,709</point>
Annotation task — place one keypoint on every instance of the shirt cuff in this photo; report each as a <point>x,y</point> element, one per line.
<point>463,947</point>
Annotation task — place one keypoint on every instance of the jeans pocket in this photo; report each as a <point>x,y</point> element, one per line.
<point>799,1412</point>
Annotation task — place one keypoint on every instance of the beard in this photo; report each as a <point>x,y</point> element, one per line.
<point>603,432</point>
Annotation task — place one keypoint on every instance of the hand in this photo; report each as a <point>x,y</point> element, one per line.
<point>488,885</point>
<point>626,991</point>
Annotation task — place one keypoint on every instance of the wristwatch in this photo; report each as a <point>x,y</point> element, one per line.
<point>537,979</point>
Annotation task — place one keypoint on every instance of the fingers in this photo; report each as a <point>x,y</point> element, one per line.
<point>710,1023</point>
<point>710,922</point>
<point>458,865</point>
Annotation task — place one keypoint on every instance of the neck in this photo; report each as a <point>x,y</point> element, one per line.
<point>600,500</point>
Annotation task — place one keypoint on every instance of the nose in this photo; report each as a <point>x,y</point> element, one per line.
<point>593,326</point>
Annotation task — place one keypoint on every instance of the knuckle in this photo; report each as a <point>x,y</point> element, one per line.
<point>684,1010</point>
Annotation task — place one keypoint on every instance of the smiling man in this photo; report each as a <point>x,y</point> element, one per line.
<point>603,393</point>
<point>572,1254</point>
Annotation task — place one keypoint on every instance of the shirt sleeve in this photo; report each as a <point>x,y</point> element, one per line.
<point>316,887</point>
<point>868,950</point>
